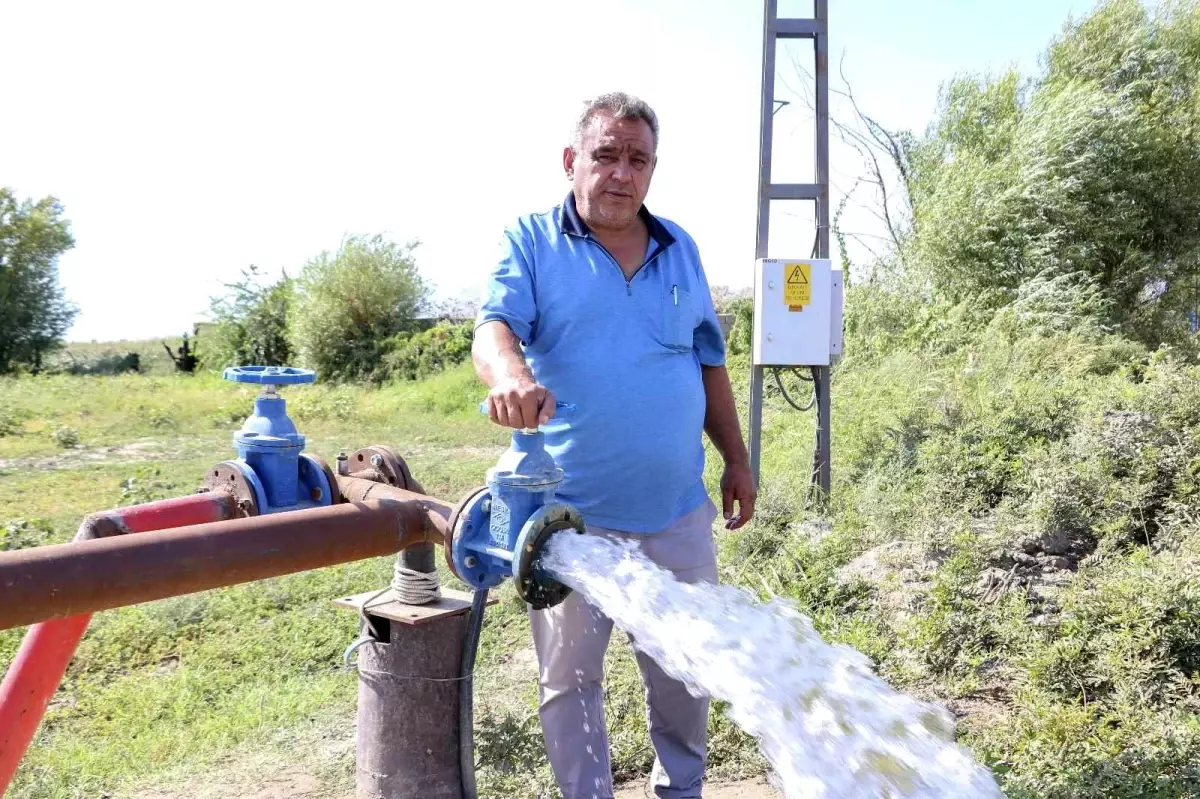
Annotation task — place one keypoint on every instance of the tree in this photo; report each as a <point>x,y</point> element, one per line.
<point>34,312</point>
<point>349,304</point>
<point>1091,170</point>
<point>250,323</point>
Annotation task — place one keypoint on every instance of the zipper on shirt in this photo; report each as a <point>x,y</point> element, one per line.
<point>658,250</point>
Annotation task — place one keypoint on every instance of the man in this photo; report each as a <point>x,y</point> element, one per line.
<point>605,306</point>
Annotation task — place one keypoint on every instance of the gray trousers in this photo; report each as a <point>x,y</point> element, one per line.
<point>571,639</point>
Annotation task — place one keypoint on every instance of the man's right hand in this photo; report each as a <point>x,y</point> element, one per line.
<point>520,403</point>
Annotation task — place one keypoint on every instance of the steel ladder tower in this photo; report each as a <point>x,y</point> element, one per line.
<point>816,29</point>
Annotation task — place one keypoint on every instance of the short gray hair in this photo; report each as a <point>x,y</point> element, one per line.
<point>619,105</point>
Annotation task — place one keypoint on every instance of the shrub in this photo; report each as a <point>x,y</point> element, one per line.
<point>420,355</point>
<point>10,422</point>
<point>66,437</point>
<point>1090,169</point>
<point>22,533</point>
<point>250,323</point>
<point>350,304</point>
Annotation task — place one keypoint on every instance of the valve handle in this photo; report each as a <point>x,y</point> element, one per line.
<point>559,407</point>
<point>564,407</point>
<point>269,375</point>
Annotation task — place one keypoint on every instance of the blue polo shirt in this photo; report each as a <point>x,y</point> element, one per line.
<point>626,353</point>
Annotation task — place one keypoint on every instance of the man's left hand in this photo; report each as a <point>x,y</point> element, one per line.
<point>737,485</point>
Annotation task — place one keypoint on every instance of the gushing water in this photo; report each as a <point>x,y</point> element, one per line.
<point>829,726</point>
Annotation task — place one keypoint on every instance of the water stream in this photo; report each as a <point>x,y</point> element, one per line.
<point>828,725</point>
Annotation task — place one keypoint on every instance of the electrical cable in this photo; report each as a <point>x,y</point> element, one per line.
<point>466,696</point>
<point>788,397</point>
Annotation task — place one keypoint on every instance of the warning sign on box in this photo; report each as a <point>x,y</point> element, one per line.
<point>797,285</point>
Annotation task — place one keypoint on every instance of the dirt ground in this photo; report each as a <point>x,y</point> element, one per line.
<point>742,789</point>
<point>305,786</point>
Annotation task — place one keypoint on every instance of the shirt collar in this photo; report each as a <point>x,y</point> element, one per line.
<point>573,224</point>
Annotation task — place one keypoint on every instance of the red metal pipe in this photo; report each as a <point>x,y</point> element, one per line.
<point>212,506</point>
<point>40,663</point>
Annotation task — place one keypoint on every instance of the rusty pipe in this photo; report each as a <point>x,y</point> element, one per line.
<point>437,513</point>
<point>49,582</point>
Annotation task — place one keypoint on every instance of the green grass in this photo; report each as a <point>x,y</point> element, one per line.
<point>161,692</point>
<point>189,679</point>
<point>975,450</point>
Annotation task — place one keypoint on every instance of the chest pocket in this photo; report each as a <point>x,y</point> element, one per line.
<point>678,318</point>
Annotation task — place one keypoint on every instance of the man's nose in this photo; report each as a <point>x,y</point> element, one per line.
<point>623,171</point>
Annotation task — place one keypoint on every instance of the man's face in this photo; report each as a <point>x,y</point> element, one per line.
<point>610,168</point>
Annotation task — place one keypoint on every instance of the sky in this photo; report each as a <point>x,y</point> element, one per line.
<point>188,140</point>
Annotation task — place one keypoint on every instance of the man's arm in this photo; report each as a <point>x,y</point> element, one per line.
<point>721,424</point>
<point>515,399</point>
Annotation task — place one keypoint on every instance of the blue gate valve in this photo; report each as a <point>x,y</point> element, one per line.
<point>499,531</point>
<point>270,451</point>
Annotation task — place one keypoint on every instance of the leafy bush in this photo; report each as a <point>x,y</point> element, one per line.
<point>419,355</point>
<point>350,304</point>
<point>66,437</point>
<point>1092,169</point>
<point>22,533</point>
<point>250,323</point>
<point>10,421</point>
<point>740,339</point>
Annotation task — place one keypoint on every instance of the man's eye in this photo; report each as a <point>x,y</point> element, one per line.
<point>605,159</point>
<point>639,162</point>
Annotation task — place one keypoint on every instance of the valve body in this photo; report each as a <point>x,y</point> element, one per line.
<point>501,530</point>
<point>272,468</point>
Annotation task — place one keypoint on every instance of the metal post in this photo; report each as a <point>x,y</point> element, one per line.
<point>410,679</point>
<point>766,137</point>
<point>408,695</point>
<point>816,29</point>
<point>821,46</point>
<point>419,558</point>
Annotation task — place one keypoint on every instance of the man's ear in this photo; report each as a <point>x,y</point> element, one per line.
<point>569,162</point>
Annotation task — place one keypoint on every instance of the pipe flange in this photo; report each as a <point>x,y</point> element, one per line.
<point>228,477</point>
<point>461,512</point>
<point>390,466</point>
<point>335,496</point>
<point>533,585</point>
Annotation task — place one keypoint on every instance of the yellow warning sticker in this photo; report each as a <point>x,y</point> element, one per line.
<point>797,285</point>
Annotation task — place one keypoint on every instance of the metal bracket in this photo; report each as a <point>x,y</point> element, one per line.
<point>451,603</point>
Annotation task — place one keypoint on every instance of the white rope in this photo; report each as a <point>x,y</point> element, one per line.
<point>414,587</point>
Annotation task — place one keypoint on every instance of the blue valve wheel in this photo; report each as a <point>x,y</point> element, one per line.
<point>270,375</point>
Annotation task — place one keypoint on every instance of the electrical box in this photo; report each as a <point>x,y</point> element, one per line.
<point>797,312</point>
